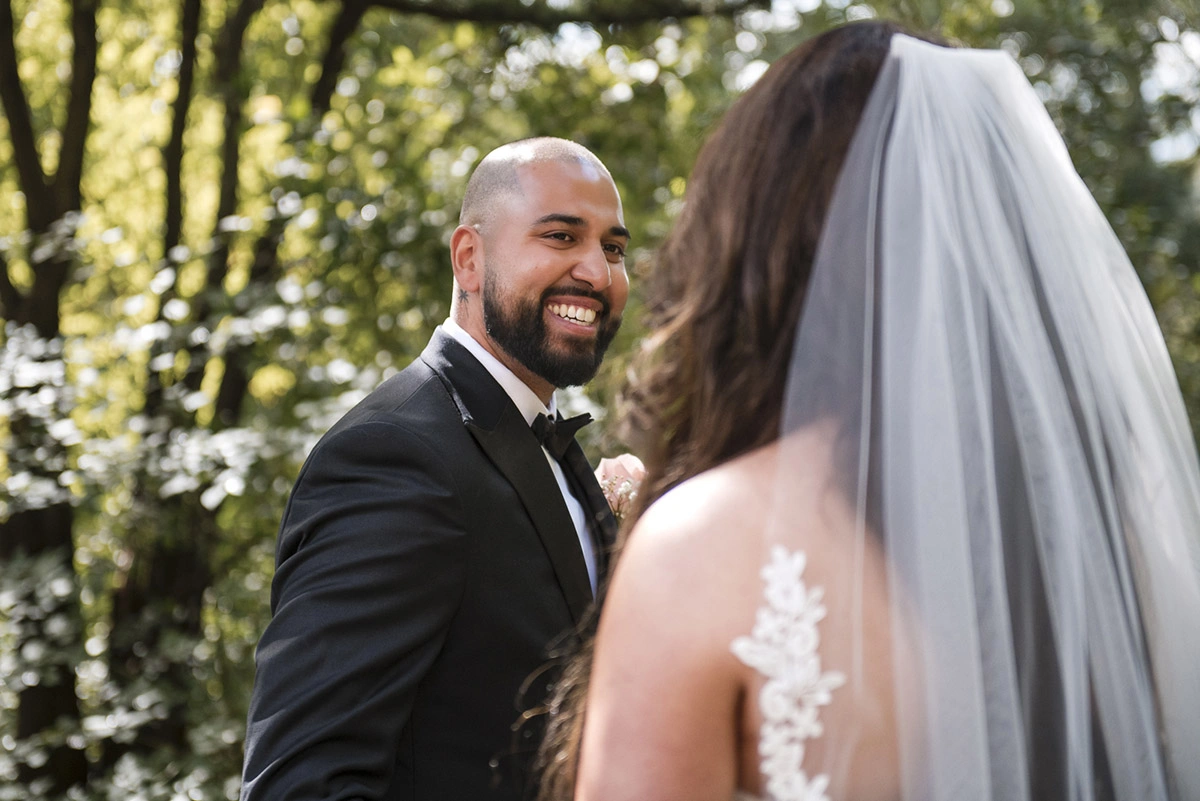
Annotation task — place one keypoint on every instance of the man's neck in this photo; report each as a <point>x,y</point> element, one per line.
<point>528,397</point>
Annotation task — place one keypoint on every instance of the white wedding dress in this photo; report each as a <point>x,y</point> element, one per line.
<point>1013,447</point>
<point>783,648</point>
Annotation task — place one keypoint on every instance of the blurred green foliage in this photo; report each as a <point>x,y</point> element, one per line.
<point>190,373</point>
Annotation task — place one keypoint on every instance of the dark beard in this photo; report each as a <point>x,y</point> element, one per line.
<point>519,328</point>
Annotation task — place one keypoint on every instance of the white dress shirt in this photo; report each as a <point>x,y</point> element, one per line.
<point>530,406</point>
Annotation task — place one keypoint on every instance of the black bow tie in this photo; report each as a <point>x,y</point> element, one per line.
<point>557,435</point>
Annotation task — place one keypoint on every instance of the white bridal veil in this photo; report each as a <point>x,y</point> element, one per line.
<point>1013,445</point>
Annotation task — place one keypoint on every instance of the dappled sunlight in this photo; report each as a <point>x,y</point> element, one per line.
<point>187,318</point>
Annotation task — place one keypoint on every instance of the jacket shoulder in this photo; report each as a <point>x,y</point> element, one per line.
<point>415,396</point>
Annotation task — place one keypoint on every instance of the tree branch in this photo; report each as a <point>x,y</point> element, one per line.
<point>231,88</point>
<point>335,54</point>
<point>38,203</point>
<point>229,53</point>
<point>232,391</point>
<point>173,152</point>
<point>79,108</point>
<point>189,23</point>
<point>229,66</point>
<point>10,296</point>
<point>549,18</point>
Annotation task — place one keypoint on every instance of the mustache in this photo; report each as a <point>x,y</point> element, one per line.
<point>578,292</point>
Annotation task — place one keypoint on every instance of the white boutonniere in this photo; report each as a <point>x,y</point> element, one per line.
<point>620,478</point>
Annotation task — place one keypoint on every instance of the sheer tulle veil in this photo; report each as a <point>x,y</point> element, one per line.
<point>1011,442</point>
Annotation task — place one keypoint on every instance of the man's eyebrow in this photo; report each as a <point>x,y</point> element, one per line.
<point>566,219</point>
<point>578,222</point>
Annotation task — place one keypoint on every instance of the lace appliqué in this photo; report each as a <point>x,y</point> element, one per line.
<point>783,648</point>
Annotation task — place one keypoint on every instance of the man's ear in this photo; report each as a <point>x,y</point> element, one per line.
<point>466,256</point>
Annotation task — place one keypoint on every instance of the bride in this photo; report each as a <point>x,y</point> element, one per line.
<point>922,507</point>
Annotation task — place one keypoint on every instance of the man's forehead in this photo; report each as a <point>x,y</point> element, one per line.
<point>530,153</point>
<point>518,173</point>
<point>540,170</point>
<point>568,189</point>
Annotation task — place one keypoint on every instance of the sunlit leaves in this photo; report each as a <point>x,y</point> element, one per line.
<point>362,199</point>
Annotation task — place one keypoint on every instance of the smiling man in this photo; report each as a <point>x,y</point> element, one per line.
<point>448,533</point>
<point>542,244</point>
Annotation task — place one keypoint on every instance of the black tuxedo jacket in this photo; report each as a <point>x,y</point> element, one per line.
<point>426,562</point>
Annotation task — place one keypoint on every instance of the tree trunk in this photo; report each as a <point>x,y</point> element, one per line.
<point>161,600</point>
<point>39,524</point>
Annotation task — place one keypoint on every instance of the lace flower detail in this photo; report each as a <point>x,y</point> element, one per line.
<point>783,648</point>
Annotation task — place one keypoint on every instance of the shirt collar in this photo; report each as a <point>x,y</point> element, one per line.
<point>525,399</point>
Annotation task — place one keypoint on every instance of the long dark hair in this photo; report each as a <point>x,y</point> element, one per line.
<point>729,284</point>
<point>725,295</point>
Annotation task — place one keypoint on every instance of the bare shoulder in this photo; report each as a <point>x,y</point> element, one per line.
<point>697,552</point>
<point>686,586</point>
<point>683,589</point>
<point>717,520</point>
<point>703,535</point>
<point>711,510</point>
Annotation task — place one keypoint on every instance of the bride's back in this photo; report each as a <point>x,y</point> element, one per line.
<point>821,603</point>
<point>988,471</point>
<point>692,574</point>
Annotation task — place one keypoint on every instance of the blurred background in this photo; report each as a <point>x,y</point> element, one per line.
<point>222,222</point>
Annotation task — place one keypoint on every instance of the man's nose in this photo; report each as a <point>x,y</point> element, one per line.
<point>593,268</point>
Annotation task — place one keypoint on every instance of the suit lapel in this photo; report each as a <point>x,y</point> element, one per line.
<point>601,523</point>
<point>513,448</point>
<point>493,420</point>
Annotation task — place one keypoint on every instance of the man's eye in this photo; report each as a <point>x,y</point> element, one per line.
<point>560,236</point>
<point>616,250</point>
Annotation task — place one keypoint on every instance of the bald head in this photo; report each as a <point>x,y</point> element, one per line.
<point>498,175</point>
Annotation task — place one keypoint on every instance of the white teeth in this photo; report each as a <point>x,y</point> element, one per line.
<point>575,313</point>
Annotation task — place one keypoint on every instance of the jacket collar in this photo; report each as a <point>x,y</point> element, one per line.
<point>501,431</point>
<point>524,398</point>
